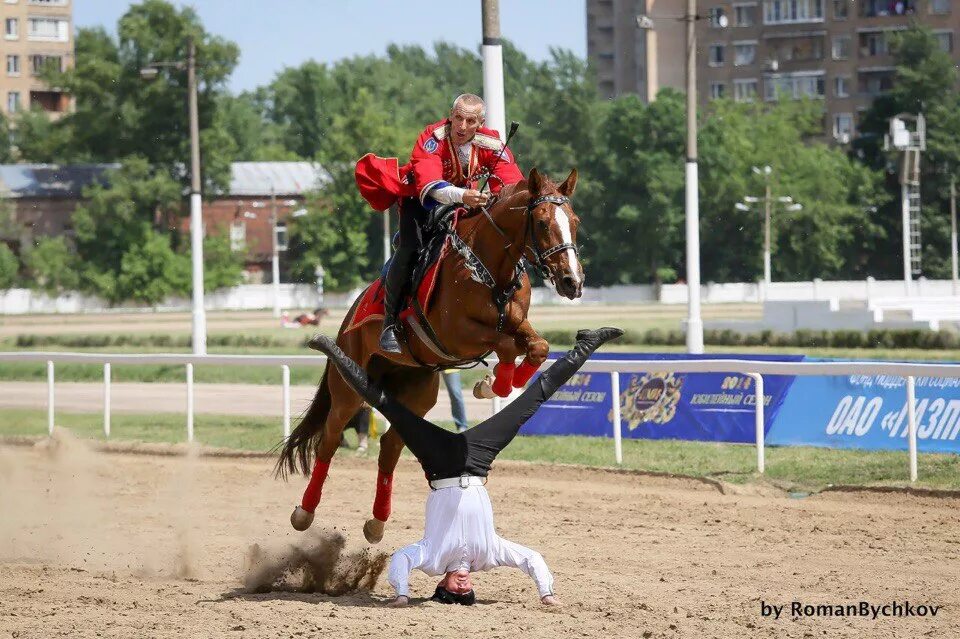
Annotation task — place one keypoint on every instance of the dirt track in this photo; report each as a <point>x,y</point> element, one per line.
<point>92,544</point>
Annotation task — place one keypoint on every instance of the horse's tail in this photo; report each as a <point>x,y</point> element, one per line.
<point>297,450</point>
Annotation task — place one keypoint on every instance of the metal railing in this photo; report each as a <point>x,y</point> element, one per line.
<point>751,368</point>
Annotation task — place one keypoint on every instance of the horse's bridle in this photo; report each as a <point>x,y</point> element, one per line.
<point>540,257</point>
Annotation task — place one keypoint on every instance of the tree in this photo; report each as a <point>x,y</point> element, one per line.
<point>119,115</point>
<point>52,266</point>
<point>9,267</point>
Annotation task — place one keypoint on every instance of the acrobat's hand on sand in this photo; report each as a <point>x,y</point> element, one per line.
<point>550,600</point>
<point>399,602</point>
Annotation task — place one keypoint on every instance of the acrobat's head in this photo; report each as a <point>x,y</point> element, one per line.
<point>455,588</point>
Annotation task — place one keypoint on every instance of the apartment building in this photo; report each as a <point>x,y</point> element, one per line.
<point>35,33</point>
<point>834,50</point>
<point>632,60</point>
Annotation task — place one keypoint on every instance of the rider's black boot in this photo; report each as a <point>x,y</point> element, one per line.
<point>395,282</point>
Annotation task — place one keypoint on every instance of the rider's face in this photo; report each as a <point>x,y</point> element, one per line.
<point>464,122</point>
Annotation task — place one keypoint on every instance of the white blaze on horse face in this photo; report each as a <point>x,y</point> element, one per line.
<point>563,221</point>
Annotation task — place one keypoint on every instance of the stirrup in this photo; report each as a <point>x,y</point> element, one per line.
<point>388,339</point>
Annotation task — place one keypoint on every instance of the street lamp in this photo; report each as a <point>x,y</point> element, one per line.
<point>278,232</point>
<point>150,72</point>
<point>768,201</point>
<point>692,199</point>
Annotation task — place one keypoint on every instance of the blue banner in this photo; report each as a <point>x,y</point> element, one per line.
<point>869,412</point>
<point>658,405</point>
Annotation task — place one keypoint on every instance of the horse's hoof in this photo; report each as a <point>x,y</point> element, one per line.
<point>484,388</point>
<point>373,530</point>
<point>300,519</point>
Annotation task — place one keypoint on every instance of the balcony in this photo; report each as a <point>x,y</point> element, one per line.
<point>880,8</point>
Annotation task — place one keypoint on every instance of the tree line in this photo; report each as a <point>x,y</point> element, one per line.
<point>629,154</point>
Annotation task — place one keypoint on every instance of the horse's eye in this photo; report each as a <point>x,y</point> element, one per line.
<point>543,224</point>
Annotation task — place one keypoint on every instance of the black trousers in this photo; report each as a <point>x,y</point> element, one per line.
<point>412,218</point>
<point>444,454</point>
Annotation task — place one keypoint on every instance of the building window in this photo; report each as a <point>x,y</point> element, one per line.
<point>716,55</point>
<point>717,90</point>
<point>841,86</point>
<point>743,15</point>
<point>12,29</point>
<point>841,9</point>
<point>716,17</point>
<point>786,11</point>
<point>940,7</point>
<point>843,127</point>
<point>13,65</point>
<point>871,8</point>
<point>873,44</point>
<point>38,62</point>
<point>875,82</point>
<point>13,102</point>
<point>744,53</point>
<point>238,235</point>
<point>841,47</point>
<point>797,48</point>
<point>945,39</point>
<point>52,29</point>
<point>745,90</point>
<point>794,85</point>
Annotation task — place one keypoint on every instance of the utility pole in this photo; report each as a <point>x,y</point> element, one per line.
<point>766,237</point>
<point>953,235</point>
<point>492,54</point>
<point>196,215</point>
<point>768,200</point>
<point>275,270</point>
<point>694,319</point>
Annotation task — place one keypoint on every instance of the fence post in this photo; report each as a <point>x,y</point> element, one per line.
<point>106,399</point>
<point>758,418</point>
<point>190,402</point>
<point>912,427</point>
<point>615,399</point>
<point>49,397</point>
<point>286,400</point>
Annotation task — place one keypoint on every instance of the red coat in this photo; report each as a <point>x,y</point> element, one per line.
<point>382,181</point>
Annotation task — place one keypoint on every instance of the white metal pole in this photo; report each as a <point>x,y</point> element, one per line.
<point>196,212</point>
<point>953,237</point>
<point>912,427</point>
<point>615,399</point>
<point>386,234</point>
<point>497,403</point>
<point>275,265</point>
<point>767,278</point>
<point>694,321</point>
<point>759,418</point>
<point>50,397</point>
<point>905,215</point>
<point>189,402</point>
<point>106,399</point>
<point>286,400</point>
<point>492,54</point>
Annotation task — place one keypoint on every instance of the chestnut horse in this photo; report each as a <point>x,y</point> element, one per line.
<point>530,222</point>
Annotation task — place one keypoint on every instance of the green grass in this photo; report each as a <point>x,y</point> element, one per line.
<point>792,468</point>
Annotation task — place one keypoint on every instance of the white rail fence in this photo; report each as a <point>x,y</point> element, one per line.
<point>753,369</point>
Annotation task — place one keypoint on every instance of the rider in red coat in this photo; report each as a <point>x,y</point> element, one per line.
<point>444,168</point>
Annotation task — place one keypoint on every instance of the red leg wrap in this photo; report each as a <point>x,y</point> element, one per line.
<point>523,373</point>
<point>381,503</point>
<point>311,496</point>
<point>503,378</point>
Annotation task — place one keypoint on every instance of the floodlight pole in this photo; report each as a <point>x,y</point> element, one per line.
<point>694,320</point>
<point>492,53</point>
<point>199,330</point>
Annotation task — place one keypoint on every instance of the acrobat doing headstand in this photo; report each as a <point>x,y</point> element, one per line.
<point>459,536</point>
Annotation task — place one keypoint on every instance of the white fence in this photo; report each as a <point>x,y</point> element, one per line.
<point>754,369</point>
<point>20,301</point>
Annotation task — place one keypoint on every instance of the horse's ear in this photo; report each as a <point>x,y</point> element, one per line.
<point>570,184</point>
<point>535,181</point>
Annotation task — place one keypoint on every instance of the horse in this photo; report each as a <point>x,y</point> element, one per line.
<point>480,302</point>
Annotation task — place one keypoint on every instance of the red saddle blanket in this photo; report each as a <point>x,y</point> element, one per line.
<point>371,306</point>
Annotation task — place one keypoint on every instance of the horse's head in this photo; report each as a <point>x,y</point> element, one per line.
<point>552,232</point>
